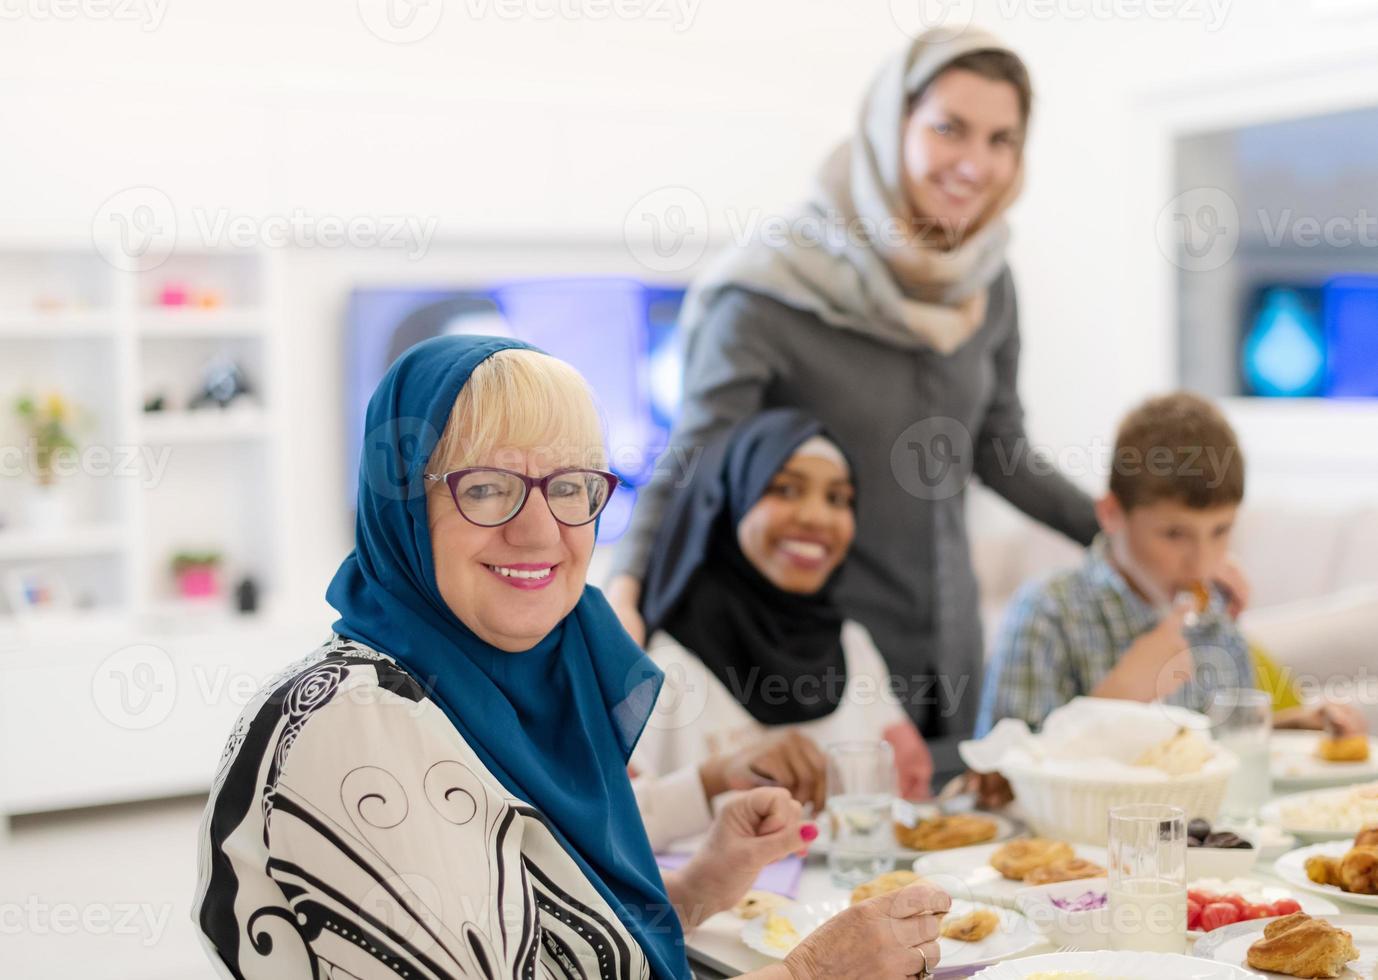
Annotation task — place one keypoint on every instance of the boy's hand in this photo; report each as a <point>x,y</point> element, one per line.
<point>1155,665</point>
<point>1232,581</point>
<point>1335,718</point>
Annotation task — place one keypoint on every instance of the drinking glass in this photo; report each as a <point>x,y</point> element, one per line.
<point>861,797</point>
<point>1242,721</point>
<point>1148,878</point>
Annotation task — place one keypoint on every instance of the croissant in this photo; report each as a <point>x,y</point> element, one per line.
<point>1301,946</point>
<point>1068,869</point>
<point>1359,871</point>
<point>1019,857</point>
<point>1368,837</point>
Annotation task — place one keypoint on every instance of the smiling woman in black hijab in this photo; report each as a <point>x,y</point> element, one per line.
<point>739,604</point>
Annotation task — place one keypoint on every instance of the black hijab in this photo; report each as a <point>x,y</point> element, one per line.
<point>702,590</point>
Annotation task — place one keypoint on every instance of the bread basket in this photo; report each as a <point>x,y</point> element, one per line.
<point>1074,807</point>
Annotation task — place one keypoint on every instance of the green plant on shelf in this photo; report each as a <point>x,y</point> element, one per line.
<point>186,561</point>
<point>50,424</point>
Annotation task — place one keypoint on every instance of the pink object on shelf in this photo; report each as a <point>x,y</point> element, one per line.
<point>173,294</point>
<point>198,583</point>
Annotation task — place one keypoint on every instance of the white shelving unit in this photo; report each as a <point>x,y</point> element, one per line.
<point>167,481</point>
<point>153,484</point>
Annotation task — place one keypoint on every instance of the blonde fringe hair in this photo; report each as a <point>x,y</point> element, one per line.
<point>526,400</point>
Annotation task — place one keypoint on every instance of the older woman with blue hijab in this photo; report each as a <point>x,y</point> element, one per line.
<point>440,790</point>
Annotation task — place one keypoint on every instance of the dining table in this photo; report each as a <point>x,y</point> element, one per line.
<point>716,949</point>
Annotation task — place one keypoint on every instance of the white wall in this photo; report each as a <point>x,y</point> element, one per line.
<point>547,131</point>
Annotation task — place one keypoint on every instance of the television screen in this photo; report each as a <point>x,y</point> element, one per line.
<point>618,333</point>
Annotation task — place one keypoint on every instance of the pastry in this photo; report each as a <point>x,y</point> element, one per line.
<point>1069,869</point>
<point>1185,754</point>
<point>1359,871</point>
<point>1368,837</point>
<point>942,833</point>
<point>891,881</point>
<point>1323,870</point>
<point>1201,595</point>
<point>972,927</point>
<point>1019,857</point>
<point>1301,946</point>
<point>755,904</point>
<point>1343,748</point>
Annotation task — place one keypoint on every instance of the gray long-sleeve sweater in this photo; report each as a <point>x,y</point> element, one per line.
<point>918,426</point>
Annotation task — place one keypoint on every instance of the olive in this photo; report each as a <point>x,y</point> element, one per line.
<point>1198,828</point>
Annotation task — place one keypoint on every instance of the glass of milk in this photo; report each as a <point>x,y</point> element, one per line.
<point>861,798</point>
<point>1242,721</point>
<point>1148,878</point>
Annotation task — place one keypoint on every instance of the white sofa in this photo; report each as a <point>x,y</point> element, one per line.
<point>1314,574</point>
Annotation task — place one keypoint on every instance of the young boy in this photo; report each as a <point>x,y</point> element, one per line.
<point>1144,617</point>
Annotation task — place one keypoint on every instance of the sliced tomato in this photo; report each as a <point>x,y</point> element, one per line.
<point>1285,906</point>
<point>1238,901</point>
<point>1258,911</point>
<point>1218,914</point>
<point>1193,914</point>
<point>1201,897</point>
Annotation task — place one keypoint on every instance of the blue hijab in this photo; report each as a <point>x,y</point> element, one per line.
<point>555,724</point>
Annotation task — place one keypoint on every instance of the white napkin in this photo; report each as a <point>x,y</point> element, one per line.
<point>1098,737</point>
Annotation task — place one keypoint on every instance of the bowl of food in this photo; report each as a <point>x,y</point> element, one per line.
<point>1072,914</point>
<point>1218,853</point>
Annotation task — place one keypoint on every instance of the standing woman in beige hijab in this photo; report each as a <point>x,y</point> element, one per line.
<point>890,316</point>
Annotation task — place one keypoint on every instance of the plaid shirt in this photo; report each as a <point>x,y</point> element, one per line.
<point>1061,637</point>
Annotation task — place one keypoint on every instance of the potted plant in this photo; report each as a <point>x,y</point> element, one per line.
<point>197,574</point>
<point>49,425</point>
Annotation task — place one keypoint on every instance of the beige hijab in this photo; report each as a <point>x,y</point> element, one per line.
<point>852,257</point>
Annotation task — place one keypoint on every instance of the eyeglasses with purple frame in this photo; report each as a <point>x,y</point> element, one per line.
<point>453,478</point>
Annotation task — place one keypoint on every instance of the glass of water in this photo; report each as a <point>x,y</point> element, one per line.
<point>1242,721</point>
<point>1148,878</point>
<point>861,797</point>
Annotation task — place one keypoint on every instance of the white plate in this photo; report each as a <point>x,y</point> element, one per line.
<point>1090,930</point>
<point>911,813</point>
<point>1291,868</point>
<point>1295,765</point>
<point>1273,813</point>
<point>1015,935</point>
<point>1231,944</point>
<point>1129,966</point>
<point>966,871</point>
<point>1310,904</point>
<point>804,916</point>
